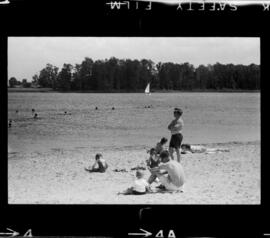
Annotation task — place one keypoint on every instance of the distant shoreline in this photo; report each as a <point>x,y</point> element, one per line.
<point>47,90</point>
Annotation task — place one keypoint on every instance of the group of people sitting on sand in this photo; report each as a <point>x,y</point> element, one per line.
<point>161,163</point>
<point>168,172</point>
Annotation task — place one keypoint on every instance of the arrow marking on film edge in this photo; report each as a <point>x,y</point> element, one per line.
<point>145,234</point>
<point>12,233</point>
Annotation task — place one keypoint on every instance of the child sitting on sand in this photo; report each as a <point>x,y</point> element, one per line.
<point>140,185</point>
<point>100,165</point>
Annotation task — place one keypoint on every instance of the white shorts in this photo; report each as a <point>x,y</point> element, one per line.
<point>168,184</point>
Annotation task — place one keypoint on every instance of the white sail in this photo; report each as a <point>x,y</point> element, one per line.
<point>147,89</point>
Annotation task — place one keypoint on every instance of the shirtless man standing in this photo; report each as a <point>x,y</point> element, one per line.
<point>176,130</point>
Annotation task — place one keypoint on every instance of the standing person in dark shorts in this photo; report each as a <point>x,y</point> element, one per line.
<point>176,127</point>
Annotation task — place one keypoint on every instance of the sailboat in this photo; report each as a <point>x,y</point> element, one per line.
<point>147,89</point>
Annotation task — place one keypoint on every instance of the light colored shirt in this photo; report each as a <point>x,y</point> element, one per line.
<point>176,126</point>
<point>140,185</point>
<point>175,172</point>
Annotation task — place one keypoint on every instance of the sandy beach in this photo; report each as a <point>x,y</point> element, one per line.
<point>47,156</point>
<point>57,176</point>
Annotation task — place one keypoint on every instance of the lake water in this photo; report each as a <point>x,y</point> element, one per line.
<point>208,118</point>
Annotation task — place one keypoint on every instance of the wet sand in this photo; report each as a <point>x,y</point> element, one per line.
<point>57,176</point>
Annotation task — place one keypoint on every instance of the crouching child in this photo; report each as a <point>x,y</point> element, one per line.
<point>100,165</point>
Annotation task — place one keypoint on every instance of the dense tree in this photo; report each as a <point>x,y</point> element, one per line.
<point>111,67</point>
<point>35,80</point>
<point>64,78</point>
<point>133,75</point>
<point>12,82</point>
<point>85,72</point>
<point>48,76</point>
<point>26,84</point>
<point>76,82</point>
<point>147,73</point>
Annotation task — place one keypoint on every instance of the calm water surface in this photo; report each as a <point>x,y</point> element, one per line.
<point>208,118</point>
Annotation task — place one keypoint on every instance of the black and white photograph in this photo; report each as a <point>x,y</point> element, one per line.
<point>134,120</point>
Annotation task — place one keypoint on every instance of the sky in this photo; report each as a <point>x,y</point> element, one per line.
<point>28,55</point>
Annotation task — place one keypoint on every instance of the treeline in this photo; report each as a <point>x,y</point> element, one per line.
<point>133,75</point>
<point>13,82</point>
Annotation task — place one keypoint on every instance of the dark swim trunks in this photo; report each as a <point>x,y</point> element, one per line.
<point>176,140</point>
